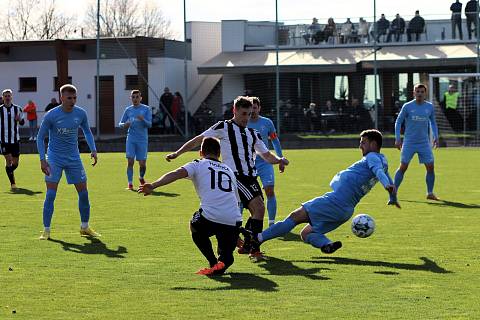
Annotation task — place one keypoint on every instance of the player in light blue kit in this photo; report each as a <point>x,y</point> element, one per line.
<point>61,124</point>
<point>418,116</point>
<point>137,118</point>
<point>264,169</point>
<point>326,213</point>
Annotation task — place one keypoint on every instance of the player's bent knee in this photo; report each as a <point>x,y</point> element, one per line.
<point>305,232</point>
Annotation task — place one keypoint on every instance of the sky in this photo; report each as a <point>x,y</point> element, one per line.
<point>289,11</point>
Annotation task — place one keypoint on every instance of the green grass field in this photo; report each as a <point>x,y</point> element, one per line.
<point>422,262</point>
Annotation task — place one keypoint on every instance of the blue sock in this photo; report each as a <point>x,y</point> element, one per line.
<point>142,172</point>
<point>272,208</point>
<point>48,207</point>
<point>317,240</point>
<point>430,179</point>
<point>84,206</point>
<point>130,174</point>
<point>278,229</point>
<point>398,178</point>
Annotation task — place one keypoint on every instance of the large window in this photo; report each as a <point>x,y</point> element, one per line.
<point>27,84</point>
<point>341,87</point>
<point>368,99</point>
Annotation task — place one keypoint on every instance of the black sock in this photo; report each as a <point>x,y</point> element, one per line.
<point>257,227</point>
<point>9,171</point>
<point>204,244</point>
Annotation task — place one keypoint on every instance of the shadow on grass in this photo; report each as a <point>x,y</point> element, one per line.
<point>95,246</point>
<point>164,194</point>
<point>428,265</point>
<point>446,203</point>
<point>24,191</point>
<point>290,237</point>
<point>238,281</point>
<point>279,267</point>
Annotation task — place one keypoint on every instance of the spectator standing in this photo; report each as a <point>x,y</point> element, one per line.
<point>166,101</point>
<point>416,26</point>
<point>450,104</point>
<point>53,103</point>
<point>456,9</point>
<point>177,106</point>
<point>470,13</point>
<point>31,110</point>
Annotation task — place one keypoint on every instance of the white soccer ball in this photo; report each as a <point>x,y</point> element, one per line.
<point>363,225</point>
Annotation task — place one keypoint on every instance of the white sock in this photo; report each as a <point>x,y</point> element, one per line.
<point>260,237</point>
<point>271,222</point>
<point>84,225</point>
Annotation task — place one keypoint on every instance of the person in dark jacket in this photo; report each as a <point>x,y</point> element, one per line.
<point>382,26</point>
<point>456,9</point>
<point>470,11</point>
<point>416,26</point>
<point>397,28</point>
<point>166,101</point>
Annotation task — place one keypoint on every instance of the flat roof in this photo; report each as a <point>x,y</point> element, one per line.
<point>340,59</point>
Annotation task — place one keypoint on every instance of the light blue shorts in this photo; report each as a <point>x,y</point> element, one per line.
<point>74,172</point>
<point>424,151</point>
<point>266,173</point>
<point>137,150</point>
<point>325,215</point>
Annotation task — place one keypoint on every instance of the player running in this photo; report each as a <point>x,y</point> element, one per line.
<point>265,171</point>
<point>137,118</point>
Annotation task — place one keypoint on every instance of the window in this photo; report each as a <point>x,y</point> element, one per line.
<point>341,87</point>
<point>28,84</point>
<point>131,82</point>
<point>368,99</point>
<point>56,85</point>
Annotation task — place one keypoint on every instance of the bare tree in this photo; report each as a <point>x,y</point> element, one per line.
<point>33,20</point>
<point>126,18</point>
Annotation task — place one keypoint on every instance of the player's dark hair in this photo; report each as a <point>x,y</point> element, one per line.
<point>210,146</point>
<point>420,85</point>
<point>256,100</point>
<point>135,91</point>
<point>373,135</point>
<point>67,88</point>
<point>242,102</point>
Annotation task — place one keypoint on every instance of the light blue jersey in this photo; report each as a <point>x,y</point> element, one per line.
<point>138,130</point>
<point>267,131</point>
<point>62,129</point>
<point>418,118</point>
<point>349,186</point>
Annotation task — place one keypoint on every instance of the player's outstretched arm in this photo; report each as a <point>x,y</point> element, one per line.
<point>273,159</point>
<point>167,178</point>
<point>189,145</point>
<point>392,190</point>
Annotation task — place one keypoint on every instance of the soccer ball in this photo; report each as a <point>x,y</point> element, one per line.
<point>363,225</point>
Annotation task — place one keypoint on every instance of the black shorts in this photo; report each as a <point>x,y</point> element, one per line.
<point>11,148</point>
<point>226,235</point>
<point>248,189</point>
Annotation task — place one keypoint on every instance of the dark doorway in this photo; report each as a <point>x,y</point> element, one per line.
<point>107,105</point>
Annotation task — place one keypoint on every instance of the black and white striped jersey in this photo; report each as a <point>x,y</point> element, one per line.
<point>8,125</point>
<point>239,146</point>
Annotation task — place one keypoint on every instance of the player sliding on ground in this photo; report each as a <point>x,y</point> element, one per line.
<point>326,213</point>
<point>219,213</point>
